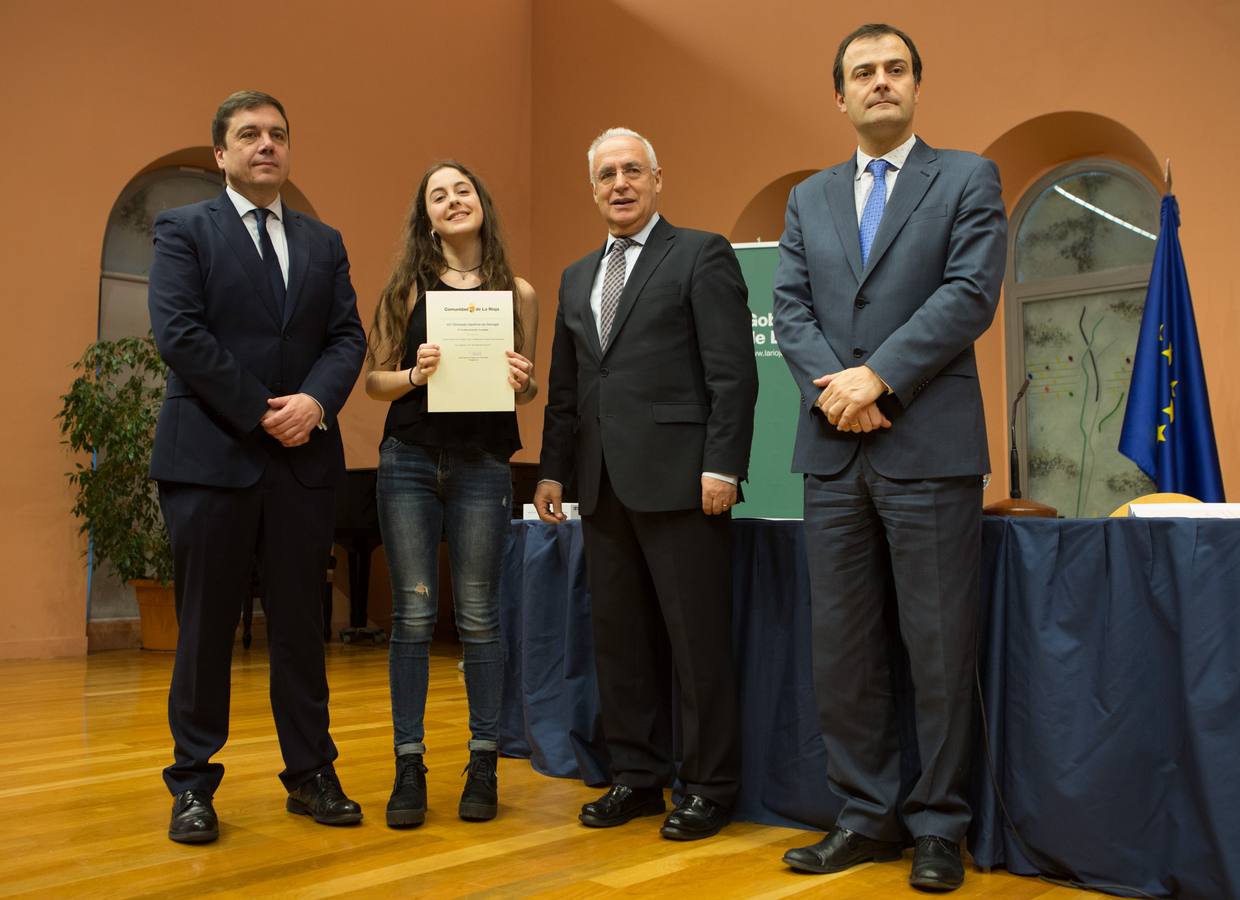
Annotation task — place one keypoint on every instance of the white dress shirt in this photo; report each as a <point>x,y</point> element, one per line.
<point>275,227</point>
<point>596,299</point>
<point>630,259</point>
<point>863,181</point>
<point>275,230</point>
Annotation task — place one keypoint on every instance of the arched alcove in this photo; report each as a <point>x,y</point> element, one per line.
<point>203,157</point>
<point>184,176</point>
<point>763,217</point>
<point>1031,149</point>
<point>1026,155</point>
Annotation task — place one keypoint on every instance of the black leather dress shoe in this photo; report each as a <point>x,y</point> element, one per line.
<point>841,849</point>
<point>324,799</point>
<point>936,864</point>
<point>620,804</point>
<point>696,817</point>
<point>193,819</point>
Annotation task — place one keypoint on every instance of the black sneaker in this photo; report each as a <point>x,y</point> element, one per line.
<point>480,800</point>
<point>407,806</point>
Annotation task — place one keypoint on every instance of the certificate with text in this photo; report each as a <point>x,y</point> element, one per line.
<point>473,330</point>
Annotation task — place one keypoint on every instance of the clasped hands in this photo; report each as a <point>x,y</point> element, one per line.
<point>849,399</point>
<point>520,369</point>
<point>291,418</point>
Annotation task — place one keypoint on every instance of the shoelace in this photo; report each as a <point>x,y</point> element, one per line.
<point>329,789</point>
<point>409,772</point>
<point>479,767</point>
<point>192,797</point>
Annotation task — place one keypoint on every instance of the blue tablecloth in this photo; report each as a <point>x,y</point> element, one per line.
<point>1108,670</point>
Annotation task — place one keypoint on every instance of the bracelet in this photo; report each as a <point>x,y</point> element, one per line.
<point>411,368</point>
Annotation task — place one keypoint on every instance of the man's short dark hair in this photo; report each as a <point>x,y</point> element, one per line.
<point>238,101</point>
<point>873,30</point>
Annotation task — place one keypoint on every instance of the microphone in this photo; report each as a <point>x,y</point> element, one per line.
<point>1014,454</point>
<point>1014,505</point>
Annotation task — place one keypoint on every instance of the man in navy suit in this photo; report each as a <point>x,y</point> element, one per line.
<point>650,408</point>
<point>890,267</point>
<point>252,309</point>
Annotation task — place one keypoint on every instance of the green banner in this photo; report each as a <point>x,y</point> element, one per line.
<point>772,491</point>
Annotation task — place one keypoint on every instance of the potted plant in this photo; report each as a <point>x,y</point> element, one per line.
<point>110,412</point>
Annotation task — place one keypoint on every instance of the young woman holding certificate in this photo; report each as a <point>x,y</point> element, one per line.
<point>445,474</point>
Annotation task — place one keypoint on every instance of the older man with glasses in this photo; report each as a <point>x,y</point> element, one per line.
<point>650,409</point>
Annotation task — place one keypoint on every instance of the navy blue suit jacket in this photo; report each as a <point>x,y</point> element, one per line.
<point>929,289</point>
<point>229,350</point>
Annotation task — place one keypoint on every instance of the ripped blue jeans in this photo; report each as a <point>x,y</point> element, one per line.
<point>464,496</point>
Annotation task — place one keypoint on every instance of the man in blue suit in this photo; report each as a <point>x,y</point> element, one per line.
<point>890,267</point>
<point>252,309</point>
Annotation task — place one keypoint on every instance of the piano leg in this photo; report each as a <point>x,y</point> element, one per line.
<point>359,550</point>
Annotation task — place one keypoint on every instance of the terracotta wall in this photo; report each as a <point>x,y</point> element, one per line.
<point>734,96</point>
<point>737,100</point>
<point>94,92</point>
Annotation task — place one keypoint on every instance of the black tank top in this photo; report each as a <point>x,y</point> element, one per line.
<point>409,422</point>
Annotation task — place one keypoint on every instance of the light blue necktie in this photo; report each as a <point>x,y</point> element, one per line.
<point>873,212</point>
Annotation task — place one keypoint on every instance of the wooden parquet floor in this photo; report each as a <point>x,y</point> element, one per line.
<point>83,812</point>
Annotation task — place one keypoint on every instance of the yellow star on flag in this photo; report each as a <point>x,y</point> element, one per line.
<point>1162,437</point>
<point>1167,353</point>
<point>1170,411</point>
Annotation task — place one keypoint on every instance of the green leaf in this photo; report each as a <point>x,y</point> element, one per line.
<point>110,411</point>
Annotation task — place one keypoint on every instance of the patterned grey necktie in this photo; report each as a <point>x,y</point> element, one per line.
<point>613,287</point>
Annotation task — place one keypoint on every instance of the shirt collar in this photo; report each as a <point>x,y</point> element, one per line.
<point>639,238</point>
<point>896,157</point>
<point>243,205</point>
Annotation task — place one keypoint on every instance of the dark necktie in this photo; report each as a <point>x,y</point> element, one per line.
<point>873,212</point>
<point>613,287</point>
<point>271,262</point>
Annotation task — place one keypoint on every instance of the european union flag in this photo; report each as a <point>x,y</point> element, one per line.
<point>1167,427</point>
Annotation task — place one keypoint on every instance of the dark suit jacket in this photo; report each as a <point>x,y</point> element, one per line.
<point>673,394</point>
<point>217,326</point>
<point>929,289</point>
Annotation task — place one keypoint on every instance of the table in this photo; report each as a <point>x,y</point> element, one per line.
<point>1108,670</point>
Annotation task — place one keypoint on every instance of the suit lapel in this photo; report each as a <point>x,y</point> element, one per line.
<point>920,170</point>
<point>298,260</point>
<point>235,232</point>
<point>657,246</point>
<point>577,292</point>
<point>842,201</point>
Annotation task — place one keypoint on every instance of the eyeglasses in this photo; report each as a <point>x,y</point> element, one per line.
<point>631,171</point>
